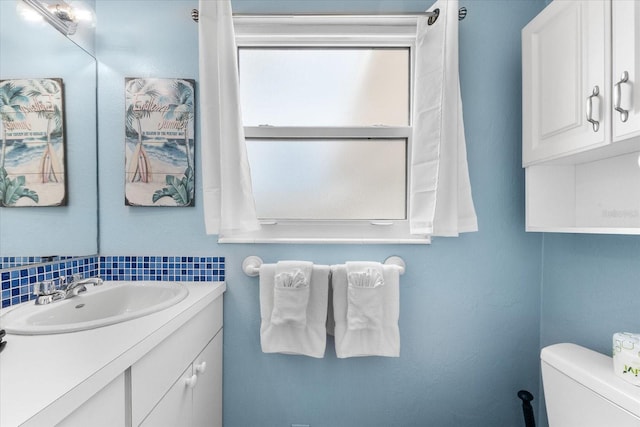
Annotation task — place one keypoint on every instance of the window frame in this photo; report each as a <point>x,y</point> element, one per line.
<point>332,32</point>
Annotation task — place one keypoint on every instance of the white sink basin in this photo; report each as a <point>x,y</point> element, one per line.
<point>104,305</point>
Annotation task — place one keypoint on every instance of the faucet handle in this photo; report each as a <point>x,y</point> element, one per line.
<point>43,288</point>
<point>38,289</point>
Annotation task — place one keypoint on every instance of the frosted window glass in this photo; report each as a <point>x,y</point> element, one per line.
<point>324,86</point>
<point>329,179</point>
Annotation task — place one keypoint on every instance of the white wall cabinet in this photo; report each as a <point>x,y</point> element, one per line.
<point>626,69</point>
<point>563,63</point>
<point>581,117</point>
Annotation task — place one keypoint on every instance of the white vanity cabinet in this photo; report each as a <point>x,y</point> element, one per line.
<point>581,117</point>
<point>195,399</point>
<point>127,374</point>
<point>179,383</point>
<point>104,409</point>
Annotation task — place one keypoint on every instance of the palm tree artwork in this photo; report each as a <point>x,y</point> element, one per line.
<point>11,98</point>
<point>140,100</point>
<point>46,92</point>
<point>31,115</point>
<point>160,138</point>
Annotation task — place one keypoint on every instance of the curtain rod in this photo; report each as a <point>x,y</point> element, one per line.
<point>433,16</point>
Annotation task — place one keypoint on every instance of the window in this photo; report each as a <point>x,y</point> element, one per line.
<point>326,105</point>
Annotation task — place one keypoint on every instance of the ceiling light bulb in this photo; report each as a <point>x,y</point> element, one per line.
<point>27,13</point>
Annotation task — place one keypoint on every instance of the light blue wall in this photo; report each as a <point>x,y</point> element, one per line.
<point>469,306</point>
<point>591,289</point>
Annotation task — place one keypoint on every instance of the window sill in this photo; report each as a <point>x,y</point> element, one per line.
<point>301,232</point>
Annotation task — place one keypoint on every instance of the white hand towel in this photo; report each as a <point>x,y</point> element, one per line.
<point>378,334</point>
<point>364,299</point>
<point>291,293</point>
<point>309,339</point>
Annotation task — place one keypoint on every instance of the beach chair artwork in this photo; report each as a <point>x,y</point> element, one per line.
<point>32,143</point>
<point>159,145</point>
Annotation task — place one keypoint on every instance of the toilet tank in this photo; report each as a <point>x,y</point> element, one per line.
<point>581,389</point>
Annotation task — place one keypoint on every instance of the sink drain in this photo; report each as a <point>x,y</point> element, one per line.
<point>79,305</point>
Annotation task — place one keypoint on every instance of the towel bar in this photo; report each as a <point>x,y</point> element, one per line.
<point>251,264</point>
<point>397,261</point>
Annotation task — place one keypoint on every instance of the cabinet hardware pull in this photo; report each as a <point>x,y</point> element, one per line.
<point>201,367</point>
<point>624,114</point>
<point>594,123</point>
<point>191,381</point>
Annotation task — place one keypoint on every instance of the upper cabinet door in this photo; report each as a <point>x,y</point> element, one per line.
<point>626,69</point>
<point>566,80</point>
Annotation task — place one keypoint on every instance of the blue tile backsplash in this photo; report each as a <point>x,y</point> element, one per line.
<point>17,282</point>
<point>190,269</point>
<point>17,261</point>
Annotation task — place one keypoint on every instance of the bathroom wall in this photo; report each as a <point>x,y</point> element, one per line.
<point>591,289</point>
<point>470,311</point>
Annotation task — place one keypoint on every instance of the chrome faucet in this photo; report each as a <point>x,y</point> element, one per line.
<point>77,285</point>
<point>47,292</point>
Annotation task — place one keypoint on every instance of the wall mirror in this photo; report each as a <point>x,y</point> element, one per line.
<point>37,50</point>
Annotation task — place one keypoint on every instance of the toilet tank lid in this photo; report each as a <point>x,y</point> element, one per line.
<point>594,371</point>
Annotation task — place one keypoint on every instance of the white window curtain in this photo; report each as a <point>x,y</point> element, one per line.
<point>440,193</point>
<point>229,207</point>
<point>440,197</point>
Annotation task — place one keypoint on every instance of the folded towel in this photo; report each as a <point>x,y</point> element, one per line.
<point>364,304</point>
<point>291,293</point>
<point>289,337</point>
<point>373,327</point>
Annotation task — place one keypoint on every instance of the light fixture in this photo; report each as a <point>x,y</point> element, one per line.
<point>57,13</point>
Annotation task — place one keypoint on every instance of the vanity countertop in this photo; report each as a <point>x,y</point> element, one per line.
<point>44,377</point>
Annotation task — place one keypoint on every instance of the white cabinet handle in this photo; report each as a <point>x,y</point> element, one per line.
<point>201,367</point>
<point>617,93</point>
<point>594,123</point>
<point>191,381</point>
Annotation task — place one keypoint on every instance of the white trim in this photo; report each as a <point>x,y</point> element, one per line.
<point>379,30</point>
<point>381,132</point>
<point>330,232</point>
<point>330,31</point>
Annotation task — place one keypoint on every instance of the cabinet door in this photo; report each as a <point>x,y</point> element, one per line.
<point>563,61</point>
<point>105,409</point>
<point>174,409</point>
<point>626,68</point>
<point>207,395</point>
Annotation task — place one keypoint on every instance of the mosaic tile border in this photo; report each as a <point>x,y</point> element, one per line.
<point>171,268</point>
<point>17,261</point>
<point>17,282</point>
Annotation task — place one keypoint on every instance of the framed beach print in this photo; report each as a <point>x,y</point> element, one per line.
<point>32,138</point>
<point>159,145</point>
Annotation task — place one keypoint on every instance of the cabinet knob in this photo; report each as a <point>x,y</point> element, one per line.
<point>617,97</point>
<point>191,381</point>
<point>201,367</point>
<point>590,119</point>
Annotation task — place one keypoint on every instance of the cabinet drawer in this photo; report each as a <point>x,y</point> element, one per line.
<point>154,374</point>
